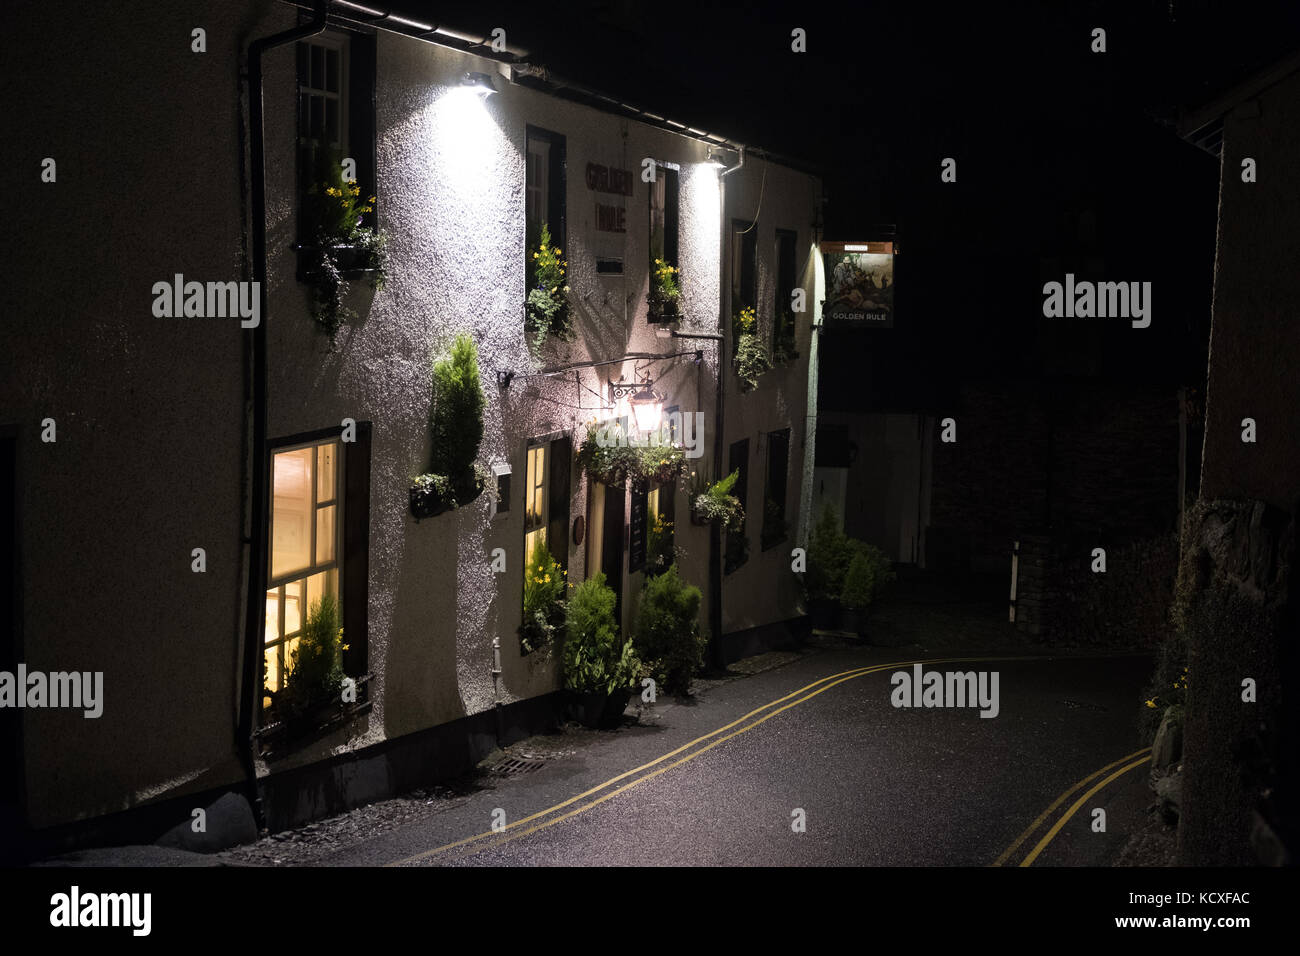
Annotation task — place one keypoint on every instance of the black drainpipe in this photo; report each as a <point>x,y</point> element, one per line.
<point>255,618</point>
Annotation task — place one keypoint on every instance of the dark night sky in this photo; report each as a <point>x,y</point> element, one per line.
<point>1046,135</point>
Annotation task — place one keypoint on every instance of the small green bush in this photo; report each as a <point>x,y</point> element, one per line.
<point>829,555</point>
<point>315,672</point>
<point>859,582</point>
<point>595,659</point>
<point>667,634</point>
<point>544,605</point>
<point>456,428</point>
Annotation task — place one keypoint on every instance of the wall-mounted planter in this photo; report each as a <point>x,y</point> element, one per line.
<point>431,495</point>
<point>350,260</point>
<point>280,737</point>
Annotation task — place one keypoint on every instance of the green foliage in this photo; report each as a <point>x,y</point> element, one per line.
<point>665,296</point>
<point>333,213</point>
<point>595,659</point>
<point>547,306</point>
<point>456,427</point>
<point>831,556</point>
<point>660,551</point>
<point>667,634</point>
<point>315,671</point>
<point>751,361</point>
<point>606,457</point>
<point>544,605</point>
<point>716,503</point>
<point>456,421</point>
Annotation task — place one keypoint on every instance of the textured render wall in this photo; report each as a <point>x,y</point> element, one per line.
<point>147,464</point>
<point>764,590</point>
<point>450,183</point>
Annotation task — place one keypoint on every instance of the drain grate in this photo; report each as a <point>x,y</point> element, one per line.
<point>515,766</point>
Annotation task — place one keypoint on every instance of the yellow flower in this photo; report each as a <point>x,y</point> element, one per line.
<point>548,580</point>
<point>534,255</point>
<point>1151,703</point>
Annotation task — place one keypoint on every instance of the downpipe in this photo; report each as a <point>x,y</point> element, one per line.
<point>255,614</point>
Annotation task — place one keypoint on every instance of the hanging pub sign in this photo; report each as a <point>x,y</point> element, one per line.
<point>859,284</point>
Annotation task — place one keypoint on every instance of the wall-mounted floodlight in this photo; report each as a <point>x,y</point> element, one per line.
<point>714,160</point>
<point>480,83</point>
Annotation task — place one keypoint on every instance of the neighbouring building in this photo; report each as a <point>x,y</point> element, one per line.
<point>130,440</point>
<point>1240,800</point>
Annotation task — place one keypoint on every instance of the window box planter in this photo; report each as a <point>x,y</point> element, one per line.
<point>281,736</point>
<point>432,495</point>
<point>663,309</point>
<point>598,710</point>
<point>349,259</point>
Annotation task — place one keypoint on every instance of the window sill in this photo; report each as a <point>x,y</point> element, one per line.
<point>345,258</point>
<point>281,738</point>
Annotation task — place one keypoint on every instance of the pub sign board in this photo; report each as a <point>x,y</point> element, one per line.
<point>859,284</point>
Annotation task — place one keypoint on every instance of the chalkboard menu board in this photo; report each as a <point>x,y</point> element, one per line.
<point>636,530</point>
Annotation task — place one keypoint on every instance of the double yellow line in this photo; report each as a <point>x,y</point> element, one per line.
<point>1143,755</point>
<point>551,816</point>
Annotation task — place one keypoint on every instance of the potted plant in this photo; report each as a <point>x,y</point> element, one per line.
<point>456,426</point>
<point>667,633</point>
<point>855,598</point>
<point>340,246</point>
<point>600,668</point>
<point>544,604</point>
<point>717,503</point>
<point>664,301</point>
<point>546,310</point>
<point>314,677</point>
<point>828,561</point>
<point>605,455</point>
<point>751,358</point>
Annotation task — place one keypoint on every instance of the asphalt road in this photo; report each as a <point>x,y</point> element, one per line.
<point>878,785</point>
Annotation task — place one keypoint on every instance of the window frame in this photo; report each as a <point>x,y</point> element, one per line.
<point>556,193</point>
<point>767,541</point>
<point>357,126</point>
<point>336,564</point>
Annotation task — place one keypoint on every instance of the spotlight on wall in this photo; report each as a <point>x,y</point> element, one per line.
<point>480,83</point>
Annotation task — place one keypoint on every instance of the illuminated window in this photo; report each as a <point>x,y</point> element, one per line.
<point>306,540</point>
<point>535,500</point>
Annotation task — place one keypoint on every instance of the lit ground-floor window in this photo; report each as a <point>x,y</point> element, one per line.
<point>306,542</point>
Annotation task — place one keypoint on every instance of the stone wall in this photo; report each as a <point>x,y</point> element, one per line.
<point>1237,605</point>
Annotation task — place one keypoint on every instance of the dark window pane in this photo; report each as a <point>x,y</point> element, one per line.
<point>332,121</point>
<point>332,70</point>
<point>317,129</point>
<point>304,51</point>
<point>317,68</point>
